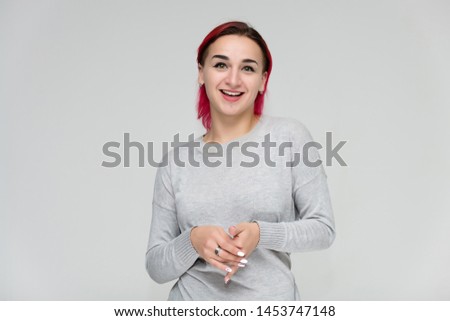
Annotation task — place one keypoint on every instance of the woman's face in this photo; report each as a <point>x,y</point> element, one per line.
<point>233,74</point>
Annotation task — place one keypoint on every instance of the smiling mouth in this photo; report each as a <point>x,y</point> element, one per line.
<point>231,93</point>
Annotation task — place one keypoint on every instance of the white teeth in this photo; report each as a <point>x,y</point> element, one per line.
<point>231,93</point>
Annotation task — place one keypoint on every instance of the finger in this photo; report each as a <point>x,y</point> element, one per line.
<point>231,248</point>
<point>236,229</point>
<point>229,275</point>
<point>239,242</point>
<point>225,256</point>
<point>225,242</point>
<point>219,265</point>
<point>230,260</point>
<point>232,230</point>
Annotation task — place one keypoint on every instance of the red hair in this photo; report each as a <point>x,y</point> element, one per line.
<point>231,28</point>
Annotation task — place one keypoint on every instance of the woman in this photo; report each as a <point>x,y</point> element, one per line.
<point>237,218</point>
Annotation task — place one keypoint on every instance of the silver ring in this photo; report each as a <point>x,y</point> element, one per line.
<point>217,250</point>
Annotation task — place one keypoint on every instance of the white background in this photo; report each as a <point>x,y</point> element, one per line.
<point>77,74</point>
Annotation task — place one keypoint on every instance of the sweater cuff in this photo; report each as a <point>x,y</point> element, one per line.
<point>271,235</point>
<point>184,250</point>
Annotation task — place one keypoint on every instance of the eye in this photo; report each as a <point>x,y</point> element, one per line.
<point>249,69</point>
<point>220,65</point>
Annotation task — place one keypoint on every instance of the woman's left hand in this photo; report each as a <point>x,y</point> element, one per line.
<point>246,237</point>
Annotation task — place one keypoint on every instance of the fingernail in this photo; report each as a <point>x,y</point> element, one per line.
<point>228,269</point>
<point>227,281</point>
<point>241,265</point>
<point>244,261</point>
<point>241,254</point>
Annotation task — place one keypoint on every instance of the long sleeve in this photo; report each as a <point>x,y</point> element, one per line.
<point>290,202</point>
<point>313,227</point>
<point>170,252</point>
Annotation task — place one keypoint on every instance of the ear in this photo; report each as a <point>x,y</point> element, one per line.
<point>200,75</point>
<point>263,82</point>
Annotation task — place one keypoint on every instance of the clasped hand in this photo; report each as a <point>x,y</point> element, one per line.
<point>235,247</point>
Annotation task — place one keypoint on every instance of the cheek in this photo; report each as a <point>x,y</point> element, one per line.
<point>211,80</point>
<point>254,85</point>
<point>209,93</point>
<point>211,89</point>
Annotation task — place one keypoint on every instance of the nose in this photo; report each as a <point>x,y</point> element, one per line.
<point>233,78</point>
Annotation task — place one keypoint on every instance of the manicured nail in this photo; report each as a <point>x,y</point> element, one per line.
<point>227,281</point>
<point>228,269</point>
<point>241,254</point>
<point>244,261</point>
<point>241,265</point>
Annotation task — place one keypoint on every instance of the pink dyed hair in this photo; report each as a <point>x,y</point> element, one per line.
<point>230,28</point>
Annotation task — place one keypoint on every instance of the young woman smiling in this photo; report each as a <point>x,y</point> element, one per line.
<point>211,225</point>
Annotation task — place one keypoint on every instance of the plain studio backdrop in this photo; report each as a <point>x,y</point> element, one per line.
<point>75,75</point>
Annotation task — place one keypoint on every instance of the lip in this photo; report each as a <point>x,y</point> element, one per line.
<point>231,98</point>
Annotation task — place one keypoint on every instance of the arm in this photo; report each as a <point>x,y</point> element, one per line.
<point>169,253</point>
<point>313,227</point>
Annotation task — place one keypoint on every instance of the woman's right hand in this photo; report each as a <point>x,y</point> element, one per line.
<point>205,240</point>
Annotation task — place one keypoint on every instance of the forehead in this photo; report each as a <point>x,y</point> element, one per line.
<point>235,47</point>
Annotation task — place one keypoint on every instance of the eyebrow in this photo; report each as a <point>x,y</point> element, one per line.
<point>226,58</point>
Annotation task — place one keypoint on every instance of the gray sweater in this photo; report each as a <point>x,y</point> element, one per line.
<point>291,204</point>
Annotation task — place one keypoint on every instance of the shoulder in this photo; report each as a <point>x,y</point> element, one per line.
<point>288,127</point>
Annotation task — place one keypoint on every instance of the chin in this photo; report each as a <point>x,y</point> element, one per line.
<point>231,110</point>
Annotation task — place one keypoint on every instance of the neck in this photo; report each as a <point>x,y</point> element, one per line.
<point>228,128</point>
